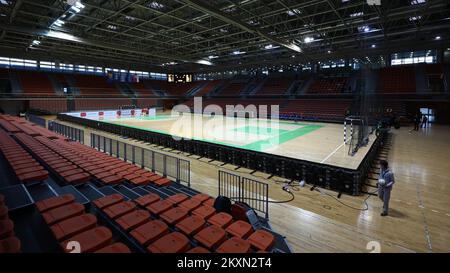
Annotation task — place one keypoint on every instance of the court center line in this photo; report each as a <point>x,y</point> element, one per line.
<point>333,152</point>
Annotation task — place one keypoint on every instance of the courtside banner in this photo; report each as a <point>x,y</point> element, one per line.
<point>126,113</point>
<point>110,114</point>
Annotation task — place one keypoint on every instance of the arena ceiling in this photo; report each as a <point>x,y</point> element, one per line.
<point>214,35</point>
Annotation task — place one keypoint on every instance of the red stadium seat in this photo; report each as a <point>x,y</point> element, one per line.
<point>174,242</point>
<point>108,200</point>
<point>198,250</point>
<point>162,182</point>
<point>221,219</point>
<point>204,212</point>
<point>147,199</point>
<point>25,163</point>
<point>140,180</point>
<point>129,177</point>
<point>73,226</point>
<point>66,168</point>
<point>201,197</point>
<point>34,176</point>
<point>77,178</point>
<point>151,176</point>
<point>114,248</point>
<point>155,177</point>
<point>91,240</point>
<point>126,173</point>
<point>133,219</point>
<point>103,174</point>
<point>177,198</point>
<point>111,179</point>
<point>211,236</point>
<point>10,245</point>
<point>234,245</point>
<point>159,207</point>
<point>174,215</point>
<point>62,213</point>
<point>6,228</point>
<point>99,172</point>
<point>119,209</point>
<point>54,202</point>
<point>29,170</point>
<point>262,240</point>
<point>240,229</point>
<point>150,232</point>
<point>191,225</point>
<point>112,167</point>
<point>209,202</point>
<point>190,204</point>
<point>59,165</point>
<point>141,172</point>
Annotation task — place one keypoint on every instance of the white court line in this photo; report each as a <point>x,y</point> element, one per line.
<point>333,152</point>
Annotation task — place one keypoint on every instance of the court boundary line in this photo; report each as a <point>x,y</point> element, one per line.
<point>333,152</point>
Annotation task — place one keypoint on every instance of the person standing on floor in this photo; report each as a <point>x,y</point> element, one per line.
<point>416,121</point>
<point>385,183</point>
<point>424,121</point>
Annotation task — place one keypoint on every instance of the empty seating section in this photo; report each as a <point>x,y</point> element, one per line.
<point>329,85</point>
<point>73,162</point>
<point>172,89</point>
<point>146,103</point>
<point>69,173</point>
<point>69,222</point>
<point>9,243</point>
<point>161,223</point>
<point>316,109</point>
<point>210,86</point>
<point>223,102</point>
<point>397,80</point>
<point>233,88</point>
<point>16,125</point>
<point>35,83</point>
<point>275,86</point>
<point>96,86</point>
<point>108,169</point>
<point>61,79</point>
<point>21,162</point>
<point>100,104</point>
<point>49,105</point>
<point>141,89</point>
<point>114,248</point>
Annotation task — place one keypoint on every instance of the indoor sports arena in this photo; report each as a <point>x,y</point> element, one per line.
<point>225,126</point>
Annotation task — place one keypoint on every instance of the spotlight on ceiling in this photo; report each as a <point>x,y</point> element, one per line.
<point>308,40</point>
<point>204,62</point>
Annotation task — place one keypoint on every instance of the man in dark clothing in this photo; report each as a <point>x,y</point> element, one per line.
<point>416,122</point>
<point>424,121</point>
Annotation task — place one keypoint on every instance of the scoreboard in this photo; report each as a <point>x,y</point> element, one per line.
<point>180,78</point>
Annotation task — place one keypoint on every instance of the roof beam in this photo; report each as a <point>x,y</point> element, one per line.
<point>71,38</point>
<point>208,9</point>
<point>14,10</point>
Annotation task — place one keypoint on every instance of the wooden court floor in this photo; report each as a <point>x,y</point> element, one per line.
<point>316,142</point>
<point>419,219</point>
